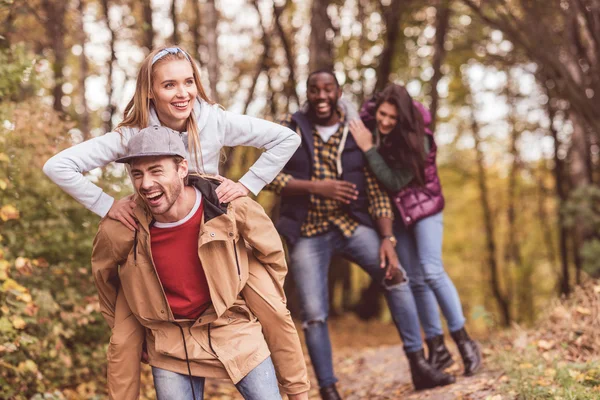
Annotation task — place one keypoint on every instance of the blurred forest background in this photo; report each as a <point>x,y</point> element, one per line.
<point>513,86</point>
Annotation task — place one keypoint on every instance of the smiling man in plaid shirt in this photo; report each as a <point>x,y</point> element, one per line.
<point>331,204</point>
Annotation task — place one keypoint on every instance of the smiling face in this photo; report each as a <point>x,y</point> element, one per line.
<point>322,95</point>
<point>174,92</point>
<point>160,182</point>
<point>386,117</point>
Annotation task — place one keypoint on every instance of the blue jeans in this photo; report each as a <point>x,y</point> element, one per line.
<point>310,259</point>
<point>420,251</point>
<point>259,384</point>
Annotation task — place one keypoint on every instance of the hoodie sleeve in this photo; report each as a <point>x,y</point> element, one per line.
<point>67,167</point>
<point>279,143</point>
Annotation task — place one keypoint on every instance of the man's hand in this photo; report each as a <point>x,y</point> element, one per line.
<point>388,258</point>
<point>337,190</point>
<point>122,210</point>
<point>229,190</point>
<point>362,136</point>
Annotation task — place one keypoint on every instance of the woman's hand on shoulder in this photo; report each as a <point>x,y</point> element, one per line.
<point>122,210</point>
<point>229,190</point>
<point>362,136</point>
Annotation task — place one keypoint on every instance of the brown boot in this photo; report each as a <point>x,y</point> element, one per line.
<point>469,351</point>
<point>424,376</point>
<point>330,393</point>
<point>439,356</point>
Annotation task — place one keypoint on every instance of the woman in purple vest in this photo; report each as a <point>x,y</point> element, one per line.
<point>401,152</point>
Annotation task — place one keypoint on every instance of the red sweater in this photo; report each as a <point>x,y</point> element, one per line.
<point>175,254</point>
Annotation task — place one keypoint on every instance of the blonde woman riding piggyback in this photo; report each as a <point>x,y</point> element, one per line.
<point>169,92</point>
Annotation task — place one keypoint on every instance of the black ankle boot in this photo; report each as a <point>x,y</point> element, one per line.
<point>330,393</point>
<point>439,356</point>
<point>469,351</point>
<point>424,376</point>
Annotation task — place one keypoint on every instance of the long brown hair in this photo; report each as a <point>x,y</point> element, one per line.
<point>404,145</point>
<point>137,112</point>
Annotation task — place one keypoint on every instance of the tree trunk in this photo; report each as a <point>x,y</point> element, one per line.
<point>56,30</point>
<point>175,37</point>
<point>212,44</point>
<point>442,24</point>
<point>148,26</point>
<point>110,108</point>
<point>196,29</point>
<point>262,64</point>
<point>321,48</point>
<point>565,287</point>
<point>392,17</point>
<point>501,299</point>
<point>292,83</point>
<point>83,73</point>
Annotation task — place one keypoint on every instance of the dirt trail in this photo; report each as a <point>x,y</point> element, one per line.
<point>370,364</point>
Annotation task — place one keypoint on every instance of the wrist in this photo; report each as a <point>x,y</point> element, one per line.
<point>390,238</point>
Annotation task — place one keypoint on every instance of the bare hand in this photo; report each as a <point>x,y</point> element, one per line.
<point>122,210</point>
<point>388,258</point>
<point>362,136</point>
<point>337,190</point>
<point>229,190</point>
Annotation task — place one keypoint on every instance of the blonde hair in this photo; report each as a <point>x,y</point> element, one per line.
<point>137,112</point>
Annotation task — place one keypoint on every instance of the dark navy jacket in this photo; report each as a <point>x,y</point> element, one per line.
<point>294,209</point>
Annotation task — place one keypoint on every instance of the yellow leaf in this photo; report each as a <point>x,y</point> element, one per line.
<point>4,309</point>
<point>18,323</point>
<point>3,184</point>
<point>583,310</point>
<point>27,366</point>
<point>545,344</point>
<point>4,157</point>
<point>11,284</point>
<point>525,366</point>
<point>8,212</point>
<point>550,372</point>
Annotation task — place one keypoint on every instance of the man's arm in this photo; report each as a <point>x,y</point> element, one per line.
<point>265,296</point>
<point>380,209</point>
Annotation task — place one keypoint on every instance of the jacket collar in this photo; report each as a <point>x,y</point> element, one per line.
<point>206,186</point>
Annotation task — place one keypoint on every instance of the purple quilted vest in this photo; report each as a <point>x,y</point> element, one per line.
<point>416,202</point>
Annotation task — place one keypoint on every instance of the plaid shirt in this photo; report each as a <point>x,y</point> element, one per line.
<point>325,213</point>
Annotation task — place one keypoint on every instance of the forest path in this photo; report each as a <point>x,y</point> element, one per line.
<point>370,364</point>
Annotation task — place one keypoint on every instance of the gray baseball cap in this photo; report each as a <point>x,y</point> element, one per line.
<point>154,141</point>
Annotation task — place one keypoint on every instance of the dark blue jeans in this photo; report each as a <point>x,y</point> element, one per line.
<point>420,251</point>
<point>310,259</point>
<point>259,384</point>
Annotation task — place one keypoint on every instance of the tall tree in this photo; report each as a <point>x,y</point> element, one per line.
<point>174,19</point>
<point>55,11</point>
<point>110,107</point>
<point>147,25</point>
<point>212,24</point>
<point>196,25</point>
<point>292,83</point>
<point>561,192</point>
<point>495,280</point>
<point>442,23</point>
<point>83,74</point>
<point>321,47</point>
<point>392,15</point>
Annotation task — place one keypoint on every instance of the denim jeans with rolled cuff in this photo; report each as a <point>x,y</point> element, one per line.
<point>309,263</point>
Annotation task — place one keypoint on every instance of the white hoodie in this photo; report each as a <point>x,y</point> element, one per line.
<point>217,128</point>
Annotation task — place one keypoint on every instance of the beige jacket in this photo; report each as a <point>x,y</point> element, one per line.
<point>244,263</point>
